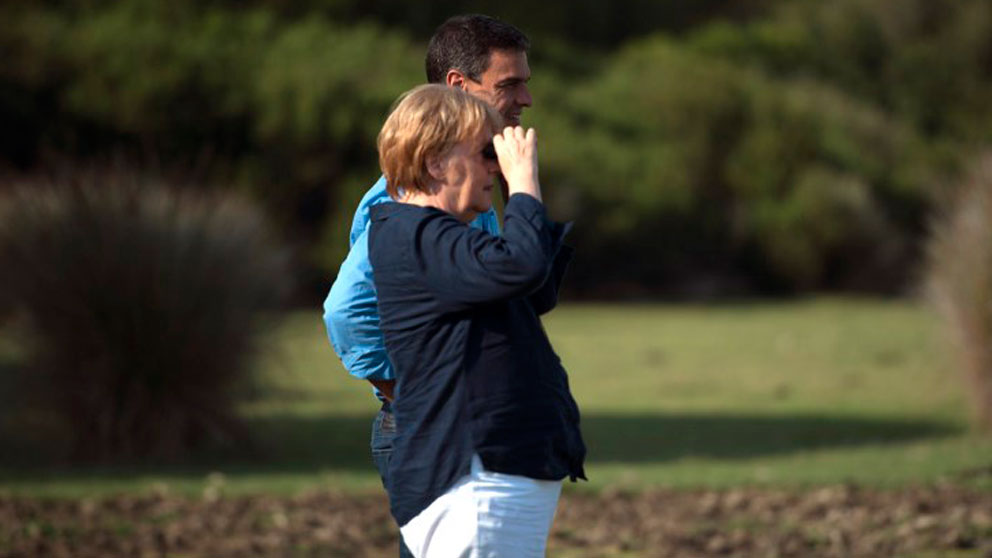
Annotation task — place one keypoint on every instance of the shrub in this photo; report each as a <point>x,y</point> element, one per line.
<point>140,307</point>
<point>960,282</point>
<point>702,172</point>
<point>820,186</point>
<point>924,61</point>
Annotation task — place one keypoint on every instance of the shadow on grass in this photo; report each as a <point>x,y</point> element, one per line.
<point>660,438</point>
<point>292,444</point>
<point>342,442</point>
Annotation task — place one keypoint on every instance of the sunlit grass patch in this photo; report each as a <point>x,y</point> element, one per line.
<point>796,394</point>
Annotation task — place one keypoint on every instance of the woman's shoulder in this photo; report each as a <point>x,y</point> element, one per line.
<point>413,219</point>
<point>406,227</point>
<point>399,211</point>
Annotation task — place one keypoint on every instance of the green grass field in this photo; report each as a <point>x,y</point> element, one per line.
<point>784,394</point>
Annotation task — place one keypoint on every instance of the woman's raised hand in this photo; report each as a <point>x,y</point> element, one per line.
<point>517,153</point>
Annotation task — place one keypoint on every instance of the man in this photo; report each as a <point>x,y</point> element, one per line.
<point>488,59</point>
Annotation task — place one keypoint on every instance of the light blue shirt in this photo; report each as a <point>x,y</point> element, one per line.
<point>351,313</point>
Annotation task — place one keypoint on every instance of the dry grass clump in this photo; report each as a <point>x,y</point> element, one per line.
<point>960,282</point>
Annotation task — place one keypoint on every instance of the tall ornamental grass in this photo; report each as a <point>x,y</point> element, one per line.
<point>138,307</point>
<point>960,282</point>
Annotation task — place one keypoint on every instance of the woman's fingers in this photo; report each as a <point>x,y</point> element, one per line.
<point>498,142</point>
<point>516,149</point>
<point>517,138</point>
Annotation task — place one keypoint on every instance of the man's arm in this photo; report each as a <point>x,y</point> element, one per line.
<point>352,318</point>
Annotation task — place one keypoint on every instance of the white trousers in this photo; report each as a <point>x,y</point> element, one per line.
<point>486,515</point>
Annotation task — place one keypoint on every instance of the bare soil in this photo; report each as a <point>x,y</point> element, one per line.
<point>840,521</point>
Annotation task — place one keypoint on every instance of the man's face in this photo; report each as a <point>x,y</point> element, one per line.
<point>504,84</point>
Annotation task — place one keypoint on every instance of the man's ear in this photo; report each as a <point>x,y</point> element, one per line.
<point>435,166</point>
<point>454,78</point>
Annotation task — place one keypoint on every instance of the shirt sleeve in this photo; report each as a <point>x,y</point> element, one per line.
<point>488,222</point>
<point>464,266</point>
<point>360,222</point>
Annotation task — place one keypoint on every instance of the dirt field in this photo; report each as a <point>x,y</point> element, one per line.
<point>839,521</point>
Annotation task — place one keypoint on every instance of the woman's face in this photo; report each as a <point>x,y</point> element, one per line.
<point>468,178</point>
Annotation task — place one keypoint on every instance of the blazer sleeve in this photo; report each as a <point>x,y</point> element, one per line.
<point>545,298</point>
<point>463,266</point>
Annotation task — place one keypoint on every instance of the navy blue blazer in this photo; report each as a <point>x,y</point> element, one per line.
<point>475,372</point>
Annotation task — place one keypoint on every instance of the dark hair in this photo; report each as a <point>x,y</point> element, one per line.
<point>464,43</point>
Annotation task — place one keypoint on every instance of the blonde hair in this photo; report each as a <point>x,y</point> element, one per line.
<point>426,121</point>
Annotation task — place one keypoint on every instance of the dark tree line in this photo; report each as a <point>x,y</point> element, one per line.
<point>703,148</point>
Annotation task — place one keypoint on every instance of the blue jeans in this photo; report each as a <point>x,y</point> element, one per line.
<point>383,433</point>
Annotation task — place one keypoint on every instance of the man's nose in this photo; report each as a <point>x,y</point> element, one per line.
<point>523,96</point>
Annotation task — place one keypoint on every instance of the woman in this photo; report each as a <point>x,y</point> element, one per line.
<point>486,425</point>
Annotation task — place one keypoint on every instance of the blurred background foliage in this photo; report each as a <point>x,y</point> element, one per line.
<point>705,149</point>
<point>136,310</point>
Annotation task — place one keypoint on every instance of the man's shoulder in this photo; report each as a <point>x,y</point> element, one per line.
<point>375,195</point>
<point>354,279</point>
<point>488,222</point>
